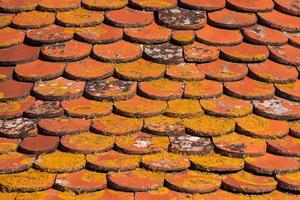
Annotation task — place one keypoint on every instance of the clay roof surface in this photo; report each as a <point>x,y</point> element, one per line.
<point>149,100</point>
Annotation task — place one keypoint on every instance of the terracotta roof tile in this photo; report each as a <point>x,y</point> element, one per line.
<point>183,37</point>
<point>252,6</point>
<point>202,4</point>
<point>18,6</point>
<point>10,37</point>
<point>154,4</point>
<point>59,6</point>
<point>45,109</point>
<point>33,19</point>
<point>104,5</point>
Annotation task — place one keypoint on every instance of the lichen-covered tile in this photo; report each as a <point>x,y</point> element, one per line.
<point>183,37</point>
<point>45,109</point>
<point>6,72</point>
<point>203,89</point>
<point>295,128</point>
<point>58,6</point>
<point>18,5</point>
<point>218,195</point>
<point>154,5</point>
<point>287,146</point>
<point>107,194</point>
<point>183,108</point>
<point>14,162</point>
<point>104,5</point>
<point>252,6</point>
<point>198,52</point>
<point>10,37</point>
<point>5,19</point>
<point>289,91</point>
<point>33,19</point>
<point>289,181</point>
<point>286,54</point>
<point>46,194</point>
<point>8,145</point>
<point>203,4</point>
<point>18,128</point>
<point>162,193</point>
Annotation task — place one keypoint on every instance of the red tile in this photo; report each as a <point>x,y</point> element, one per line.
<point>104,5</point>
<point>161,89</point>
<point>17,5</point>
<point>6,72</point>
<point>108,194</point>
<point>294,39</point>
<point>154,5</point>
<point>252,6</point>
<point>79,18</point>
<point>112,161</point>
<point>86,143</point>
<point>249,183</point>
<point>101,34</point>
<point>256,126</point>
<point>21,90</point>
<point>226,18</point>
<point>198,52</point>
<point>39,70</point>
<point>19,54</point>
<point>193,182</point>
<point>181,18</point>
<point>218,195</point>
<point>285,54</point>
<point>81,181</point>
<point>289,91</point>
<point>58,89</point>
<point>45,109</point>
<point>221,70</point>
<point>47,194</point>
<point>149,34</point>
<point>120,51</point>
<point>68,51</point>
<point>10,37</point>
<point>45,35</point>
<point>244,89</point>
<point>39,144</point>
<point>14,109</point>
<point>203,4</point>
<point>183,108</point>
<point>88,69</point>
<point>183,37</point>
<point>14,162</point>
<point>116,125</point>
<point>238,145</point>
<point>289,181</point>
<point>272,164</point>
<point>275,195</point>
<point>110,89</point>
<point>18,128</point>
<point>162,193</point>
<point>5,19</point>
<point>154,107</point>
<point>33,19</point>
<point>202,89</point>
<point>142,143</point>
<point>8,145</point>
<point>59,6</point>
<point>290,7</point>
<point>270,71</point>
<point>287,146</point>
<point>280,21</point>
<point>213,36</point>
<point>127,17</point>
<point>295,128</point>
<point>63,126</point>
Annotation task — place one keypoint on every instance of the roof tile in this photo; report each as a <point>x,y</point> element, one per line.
<point>10,37</point>
<point>153,5</point>
<point>33,19</point>
<point>45,109</point>
<point>58,6</point>
<point>252,6</point>
<point>203,4</point>
<point>183,37</point>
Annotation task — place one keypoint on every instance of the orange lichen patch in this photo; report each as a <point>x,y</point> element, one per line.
<point>104,5</point>
<point>162,125</point>
<point>14,162</point>
<point>80,18</point>
<point>127,17</point>
<point>39,70</point>
<point>20,91</point>
<point>216,163</point>
<point>272,164</point>
<point>150,34</point>
<point>68,51</point>
<point>10,37</point>
<point>87,143</point>
<point>154,5</point>
<point>289,91</point>
<point>142,143</point>
<point>58,89</point>
<point>107,194</point>
<point>5,19</point>
<point>138,180</point>
<point>8,196</point>
<point>33,19</point>
<point>221,70</point>
<point>13,109</point>
<point>249,89</point>
<point>213,36</point>
<point>59,162</point>
<point>8,145</point>
<point>58,6</point>
<point>140,107</point>
<point>240,145</point>
<point>116,125</point>
<point>203,89</point>
<point>17,5</point>
<point>18,128</point>
<point>120,51</point>
<point>50,35</point>
<point>256,126</point>
<point>162,193</point>
<point>161,89</point>
<point>81,181</point>
<point>295,128</point>
<point>280,21</point>
<point>289,181</point>
<point>226,106</point>
<point>193,181</point>
<point>184,72</point>
<point>112,161</point>
<point>285,54</point>
<point>209,126</point>
<point>183,108</point>
<point>86,108</point>
<point>218,195</point>
<point>139,70</point>
<point>249,183</point>
<point>226,18</point>
<point>203,4</point>
<point>166,162</point>
<point>28,181</point>
<point>275,195</point>
<point>183,37</point>
<point>252,6</point>
<point>197,52</point>
<point>288,146</point>
<point>49,194</point>
<point>63,126</point>
<point>45,109</point>
<point>101,34</point>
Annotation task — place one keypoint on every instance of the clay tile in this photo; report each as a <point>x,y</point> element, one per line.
<point>101,34</point>
<point>287,146</point>
<point>107,194</point>
<point>183,108</point>
<point>104,5</point>
<point>289,181</point>
<point>285,54</point>
<point>289,7</point>
<point>181,18</point>
<point>294,39</point>
<point>10,37</point>
<point>14,162</point>
<point>203,4</point>
<point>289,91</point>
<point>127,17</point>
<point>59,6</point>
<point>79,18</point>
<point>33,19</point>
<point>198,52</point>
<point>183,37</point>
<point>162,193</point>
<point>252,6</point>
<point>17,5</point>
<point>226,18</point>
<point>5,19</point>
<point>218,195</point>
<point>18,128</point>
<point>203,89</point>
<point>8,145</point>
<point>153,5</point>
<point>295,128</point>
<point>8,196</point>
<point>6,73</point>
<point>47,194</point>
<point>45,109</point>
<point>153,107</point>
